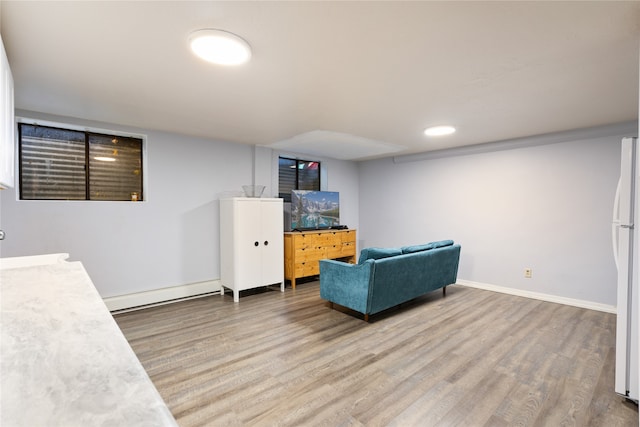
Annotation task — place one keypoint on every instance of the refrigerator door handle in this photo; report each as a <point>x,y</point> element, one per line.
<point>616,223</point>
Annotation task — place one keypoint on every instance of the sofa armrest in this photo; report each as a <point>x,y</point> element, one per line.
<point>346,284</point>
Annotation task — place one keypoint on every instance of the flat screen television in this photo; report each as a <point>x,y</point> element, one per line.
<point>314,210</point>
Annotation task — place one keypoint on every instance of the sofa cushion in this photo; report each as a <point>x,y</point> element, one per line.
<point>378,253</point>
<point>441,243</point>
<point>426,247</point>
<point>416,248</point>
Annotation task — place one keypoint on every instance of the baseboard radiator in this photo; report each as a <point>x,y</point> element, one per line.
<point>140,300</point>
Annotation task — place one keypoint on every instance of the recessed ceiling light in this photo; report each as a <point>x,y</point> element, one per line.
<point>219,47</point>
<point>439,130</point>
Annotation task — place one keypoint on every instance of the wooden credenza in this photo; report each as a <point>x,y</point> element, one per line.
<point>303,250</point>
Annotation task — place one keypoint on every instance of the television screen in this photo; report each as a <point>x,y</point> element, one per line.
<point>314,209</point>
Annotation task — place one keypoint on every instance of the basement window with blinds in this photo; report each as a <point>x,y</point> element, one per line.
<point>66,164</point>
<point>296,174</point>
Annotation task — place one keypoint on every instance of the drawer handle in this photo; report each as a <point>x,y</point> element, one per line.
<point>256,243</point>
<point>266,243</point>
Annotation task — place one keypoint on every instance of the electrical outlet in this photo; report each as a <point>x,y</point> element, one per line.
<point>528,272</point>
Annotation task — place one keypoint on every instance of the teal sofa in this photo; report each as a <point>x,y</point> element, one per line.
<point>387,277</point>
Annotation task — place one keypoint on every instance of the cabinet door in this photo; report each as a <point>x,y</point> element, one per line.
<point>272,241</point>
<point>248,245</point>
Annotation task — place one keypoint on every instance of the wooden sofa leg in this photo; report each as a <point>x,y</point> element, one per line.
<point>330,305</point>
<point>444,291</point>
<point>366,317</point>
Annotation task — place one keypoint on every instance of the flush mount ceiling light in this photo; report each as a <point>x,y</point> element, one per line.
<point>219,47</point>
<point>439,130</point>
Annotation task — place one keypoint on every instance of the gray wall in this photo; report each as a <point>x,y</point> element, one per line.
<point>172,238</point>
<point>547,207</point>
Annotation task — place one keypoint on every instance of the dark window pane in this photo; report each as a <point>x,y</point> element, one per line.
<point>308,176</point>
<point>52,164</point>
<point>286,178</point>
<point>115,168</point>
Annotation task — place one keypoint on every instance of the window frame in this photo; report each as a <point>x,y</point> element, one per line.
<point>143,197</point>
<point>287,196</point>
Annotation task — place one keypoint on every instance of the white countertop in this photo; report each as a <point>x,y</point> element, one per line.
<point>63,359</point>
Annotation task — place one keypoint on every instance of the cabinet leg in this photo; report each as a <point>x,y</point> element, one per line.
<point>293,283</point>
<point>236,296</point>
<point>282,286</point>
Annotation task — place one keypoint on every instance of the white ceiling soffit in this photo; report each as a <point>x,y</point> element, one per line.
<point>341,146</point>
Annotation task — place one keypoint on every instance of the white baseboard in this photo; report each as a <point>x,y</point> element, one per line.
<point>161,296</point>
<point>540,296</point>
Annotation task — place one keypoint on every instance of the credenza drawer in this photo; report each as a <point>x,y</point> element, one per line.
<point>334,251</point>
<point>313,253</point>
<point>349,237</point>
<point>348,249</point>
<point>309,268</point>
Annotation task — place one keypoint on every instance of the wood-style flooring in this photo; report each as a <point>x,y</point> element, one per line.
<point>472,358</point>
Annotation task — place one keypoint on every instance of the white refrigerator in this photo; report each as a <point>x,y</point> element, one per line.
<point>627,255</point>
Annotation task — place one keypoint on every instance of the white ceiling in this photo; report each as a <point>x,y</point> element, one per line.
<point>351,80</point>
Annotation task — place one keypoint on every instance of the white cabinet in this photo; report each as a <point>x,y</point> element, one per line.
<point>251,243</point>
<point>7,122</point>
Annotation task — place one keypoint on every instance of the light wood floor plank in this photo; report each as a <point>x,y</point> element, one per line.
<point>472,358</point>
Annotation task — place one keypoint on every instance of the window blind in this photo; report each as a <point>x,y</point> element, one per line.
<point>62,164</point>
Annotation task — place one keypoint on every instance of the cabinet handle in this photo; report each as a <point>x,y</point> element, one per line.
<point>256,243</point>
<point>266,243</point>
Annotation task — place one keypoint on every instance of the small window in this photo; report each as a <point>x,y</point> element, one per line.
<point>295,174</point>
<point>65,164</point>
